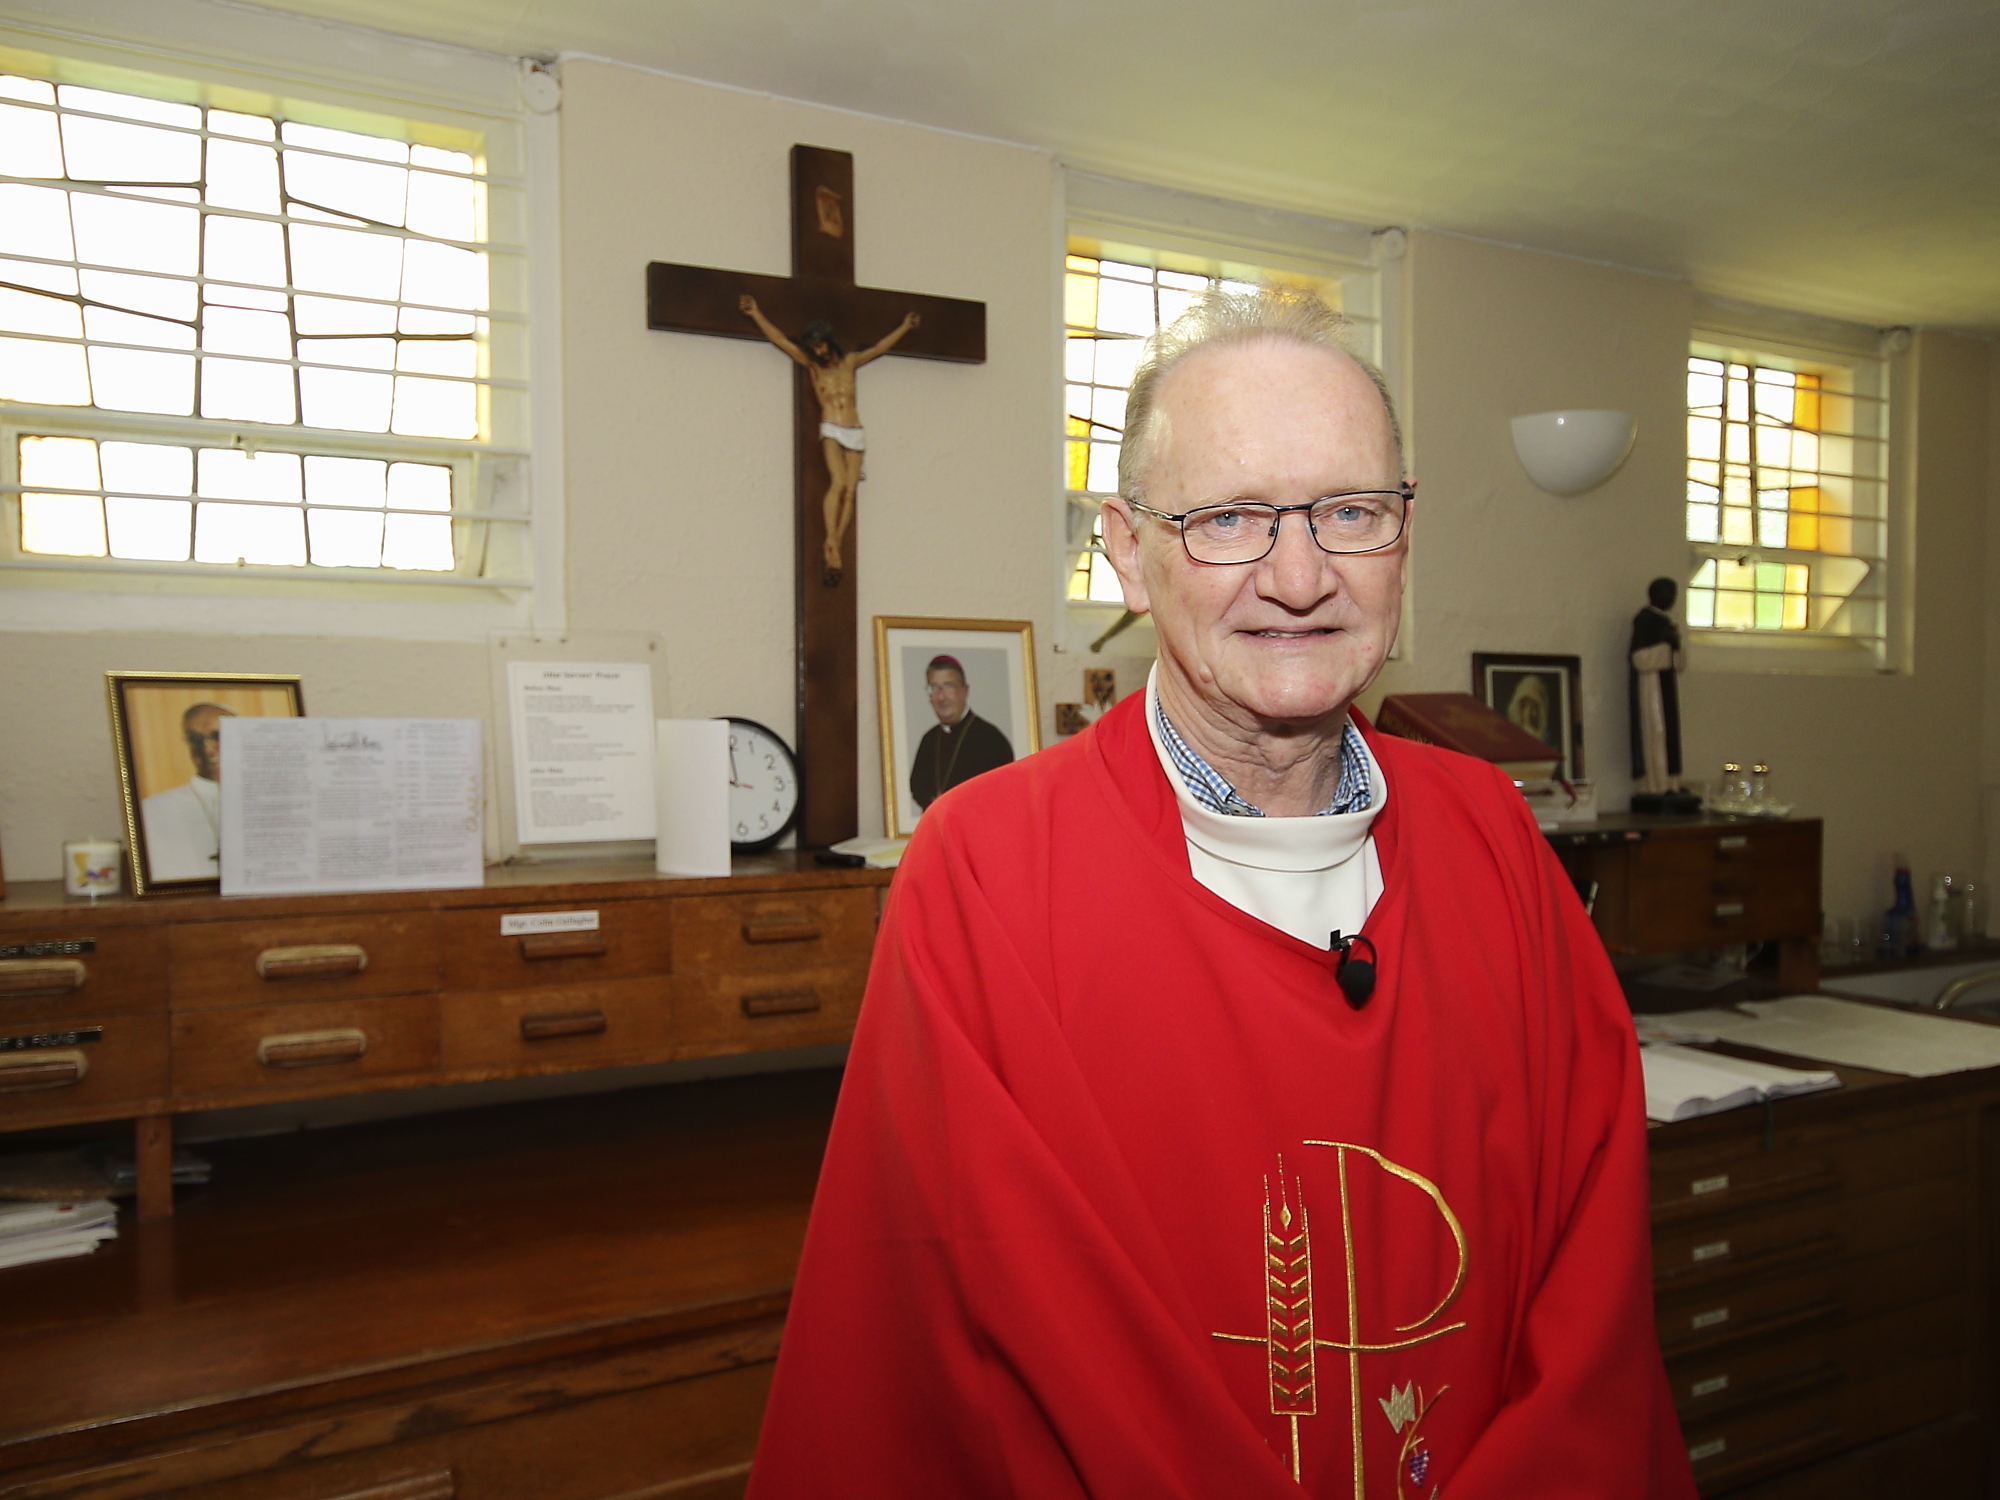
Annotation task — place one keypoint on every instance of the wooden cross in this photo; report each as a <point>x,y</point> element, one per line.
<point>697,299</point>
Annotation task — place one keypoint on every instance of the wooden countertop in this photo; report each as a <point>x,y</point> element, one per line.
<point>42,902</point>
<point>381,1256</point>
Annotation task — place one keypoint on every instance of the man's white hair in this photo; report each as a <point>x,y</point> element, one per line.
<point>1218,317</point>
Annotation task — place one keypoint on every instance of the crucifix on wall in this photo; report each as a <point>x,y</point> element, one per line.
<point>816,316</point>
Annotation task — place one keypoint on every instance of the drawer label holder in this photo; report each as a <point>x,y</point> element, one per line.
<point>38,1041</point>
<point>1709,1386</point>
<point>521,924</point>
<point>1709,1449</point>
<point>52,948</point>
<point>1710,1318</point>
<point>1716,1184</point>
<point>1713,1251</point>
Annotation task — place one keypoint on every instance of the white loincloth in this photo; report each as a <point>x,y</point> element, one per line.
<point>853,439</point>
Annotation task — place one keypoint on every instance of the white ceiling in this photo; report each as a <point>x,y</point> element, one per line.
<point>1835,156</point>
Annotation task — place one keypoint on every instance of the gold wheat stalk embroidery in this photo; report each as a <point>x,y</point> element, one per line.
<point>1288,1308</point>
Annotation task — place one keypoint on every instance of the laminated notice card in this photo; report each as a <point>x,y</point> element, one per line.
<point>583,751</point>
<point>316,805</point>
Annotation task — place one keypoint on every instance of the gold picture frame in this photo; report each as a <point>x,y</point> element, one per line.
<point>996,665</point>
<point>175,842</point>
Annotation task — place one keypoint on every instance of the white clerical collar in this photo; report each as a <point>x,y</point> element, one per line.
<point>1319,842</point>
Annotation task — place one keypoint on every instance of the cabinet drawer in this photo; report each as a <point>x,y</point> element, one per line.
<point>1812,1233</point>
<point>1737,1448</point>
<point>1853,1290</point>
<point>326,1047</point>
<point>1694,1184</point>
<point>582,1026</point>
<point>631,938</point>
<point>715,1013</point>
<point>72,1074</point>
<point>1708,1190</point>
<point>119,969</point>
<point>764,933</point>
<point>302,958</point>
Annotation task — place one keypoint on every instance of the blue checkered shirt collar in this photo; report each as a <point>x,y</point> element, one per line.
<point>1355,793</point>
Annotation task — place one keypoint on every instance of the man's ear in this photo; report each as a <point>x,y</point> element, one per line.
<point>1121,547</point>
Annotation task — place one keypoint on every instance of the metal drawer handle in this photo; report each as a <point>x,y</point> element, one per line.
<point>42,1070</point>
<point>308,1049</point>
<point>781,1002</point>
<point>561,1023</point>
<point>312,961</point>
<point>441,1485</point>
<point>41,976</point>
<point>562,945</point>
<point>780,927</point>
<point>1732,843</point>
<point>1729,908</point>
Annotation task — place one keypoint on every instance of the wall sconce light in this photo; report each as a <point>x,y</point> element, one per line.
<point>1568,452</point>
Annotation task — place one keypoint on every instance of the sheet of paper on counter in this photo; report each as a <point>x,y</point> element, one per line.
<point>320,805</point>
<point>1858,1036</point>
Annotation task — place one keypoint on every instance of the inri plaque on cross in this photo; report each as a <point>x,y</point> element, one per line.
<point>820,290</point>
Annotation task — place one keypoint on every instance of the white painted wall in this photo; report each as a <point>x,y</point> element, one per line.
<point>1892,762</point>
<point>680,446</point>
<point>678,471</point>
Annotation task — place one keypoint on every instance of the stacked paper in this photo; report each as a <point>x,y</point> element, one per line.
<point>52,1231</point>
<point>1682,1083</point>
<point>1858,1036</point>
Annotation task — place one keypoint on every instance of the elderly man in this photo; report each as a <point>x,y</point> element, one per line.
<point>1140,1184</point>
<point>183,825</point>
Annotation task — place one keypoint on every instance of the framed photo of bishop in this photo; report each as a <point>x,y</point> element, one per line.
<point>166,728</point>
<point>956,699</point>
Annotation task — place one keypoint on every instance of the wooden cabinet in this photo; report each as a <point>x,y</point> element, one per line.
<point>1671,883</point>
<point>576,1299</point>
<point>151,1008</point>
<point>1820,1281</point>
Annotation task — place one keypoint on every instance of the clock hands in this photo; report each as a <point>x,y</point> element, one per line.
<point>732,766</point>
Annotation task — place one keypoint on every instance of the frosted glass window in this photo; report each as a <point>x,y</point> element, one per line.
<point>290,281</point>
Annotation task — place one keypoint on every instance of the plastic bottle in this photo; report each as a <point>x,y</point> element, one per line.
<point>1940,916</point>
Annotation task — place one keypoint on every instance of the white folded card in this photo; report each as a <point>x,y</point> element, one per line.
<point>693,797</point>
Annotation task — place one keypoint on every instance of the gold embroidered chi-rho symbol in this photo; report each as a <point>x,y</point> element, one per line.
<point>1291,1343</point>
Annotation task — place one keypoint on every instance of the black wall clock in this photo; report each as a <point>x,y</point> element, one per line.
<point>763,787</point>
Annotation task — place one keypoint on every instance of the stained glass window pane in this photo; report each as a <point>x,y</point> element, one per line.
<point>63,525</point>
<point>48,374</point>
<point>154,530</point>
<point>29,143</point>
<point>147,468</point>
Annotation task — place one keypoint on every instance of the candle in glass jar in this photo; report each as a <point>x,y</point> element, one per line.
<point>92,867</point>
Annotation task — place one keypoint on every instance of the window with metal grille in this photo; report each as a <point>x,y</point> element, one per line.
<point>250,333</point>
<point>1786,494</point>
<point>1115,297</point>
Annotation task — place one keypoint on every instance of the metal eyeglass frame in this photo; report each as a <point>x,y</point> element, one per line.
<point>1405,489</point>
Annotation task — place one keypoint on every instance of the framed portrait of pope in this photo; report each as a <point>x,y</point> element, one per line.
<point>167,730</point>
<point>956,699</point>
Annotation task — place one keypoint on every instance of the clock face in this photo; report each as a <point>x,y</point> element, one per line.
<point>763,787</point>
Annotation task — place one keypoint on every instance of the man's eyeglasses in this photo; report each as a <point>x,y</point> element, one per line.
<point>1245,531</point>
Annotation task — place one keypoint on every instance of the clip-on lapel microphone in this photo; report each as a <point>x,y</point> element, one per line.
<point>1355,975</point>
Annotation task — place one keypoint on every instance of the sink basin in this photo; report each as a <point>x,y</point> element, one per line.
<point>1921,987</point>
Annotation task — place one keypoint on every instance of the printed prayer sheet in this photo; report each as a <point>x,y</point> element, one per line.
<point>583,751</point>
<point>322,805</point>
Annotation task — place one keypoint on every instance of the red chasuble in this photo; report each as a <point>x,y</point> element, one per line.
<point>1122,1198</point>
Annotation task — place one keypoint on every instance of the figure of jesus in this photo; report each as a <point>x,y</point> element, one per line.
<point>841,436</point>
